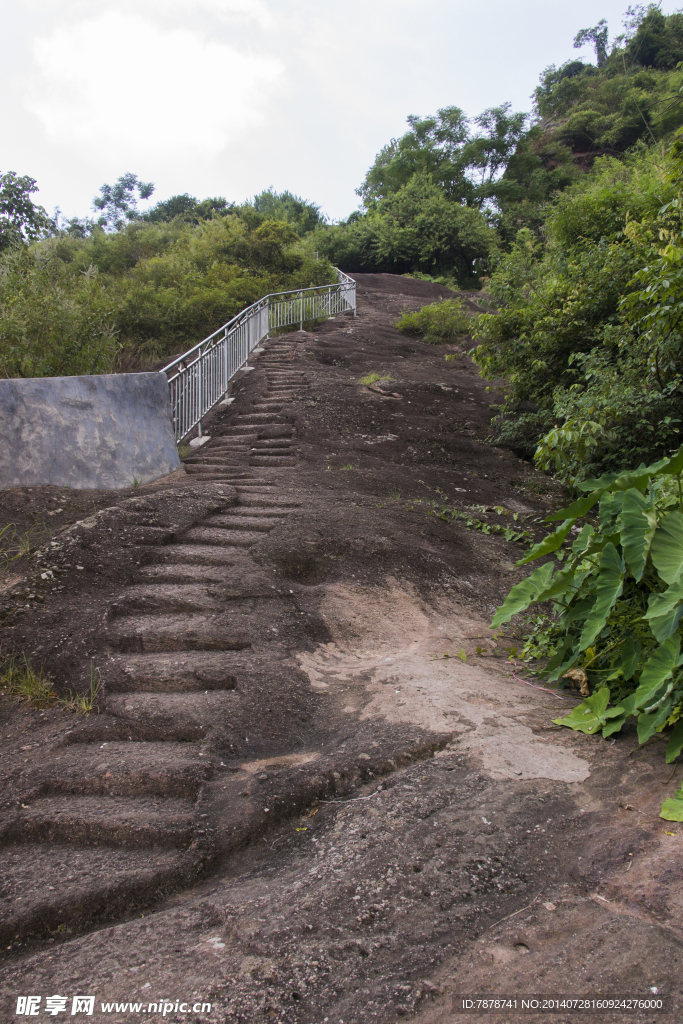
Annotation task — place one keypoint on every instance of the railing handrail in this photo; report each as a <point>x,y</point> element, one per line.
<point>343,279</point>
<point>200,377</point>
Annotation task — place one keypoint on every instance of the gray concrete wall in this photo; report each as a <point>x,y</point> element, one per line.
<point>104,431</point>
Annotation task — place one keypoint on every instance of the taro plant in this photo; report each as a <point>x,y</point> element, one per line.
<point>616,593</point>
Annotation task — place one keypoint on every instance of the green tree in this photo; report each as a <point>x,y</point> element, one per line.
<point>21,220</point>
<point>598,36</point>
<point>118,202</point>
<point>415,229</point>
<point>301,215</point>
<point>464,165</point>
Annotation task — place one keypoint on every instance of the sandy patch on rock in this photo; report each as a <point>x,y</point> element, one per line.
<point>387,661</point>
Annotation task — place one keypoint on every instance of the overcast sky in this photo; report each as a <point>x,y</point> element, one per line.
<point>228,97</point>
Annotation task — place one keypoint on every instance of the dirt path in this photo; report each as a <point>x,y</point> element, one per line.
<point>298,804</point>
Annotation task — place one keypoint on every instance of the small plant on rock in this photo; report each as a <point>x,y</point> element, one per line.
<point>21,680</point>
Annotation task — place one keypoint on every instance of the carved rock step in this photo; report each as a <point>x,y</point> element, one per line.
<point>261,418</point>
<point>237,431</point>
<point>272,460</point>
<point>271,443</point>
<point>210,470</point>
<point>220,537</point>
<point>115,821</point>
<point>242,522</point>
<point>196,554</point>
<point>188,672</point>
<point>261,500</point>
<point>209,463</point>
<point>121,768</point>
<point>257,488</point>
<point>45,888</point>
<point>181,633</point>
<point>180,716</point>
<point>156,597</point>
<point>246,578</point>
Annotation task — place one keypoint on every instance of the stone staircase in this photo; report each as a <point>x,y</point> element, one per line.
<point>115,819</point>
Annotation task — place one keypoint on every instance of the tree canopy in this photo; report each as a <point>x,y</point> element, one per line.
<point>21,220</point>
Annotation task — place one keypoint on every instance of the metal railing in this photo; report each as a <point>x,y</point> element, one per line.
<point>199,378</point>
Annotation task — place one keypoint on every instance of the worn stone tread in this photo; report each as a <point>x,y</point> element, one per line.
<point>121,768</point>
<point>182,632</point>
<point>44,889</point>
<point>253,523</point>
<point>220,537</point>
<point>180,672</point>
<point>197,554</point>
<point>114,821</point>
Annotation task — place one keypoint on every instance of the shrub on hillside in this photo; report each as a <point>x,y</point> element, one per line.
<point>439,322</point>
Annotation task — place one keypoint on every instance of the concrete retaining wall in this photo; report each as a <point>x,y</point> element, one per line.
<point>101,432</point>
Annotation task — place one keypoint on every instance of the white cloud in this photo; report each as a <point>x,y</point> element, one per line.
<point>120,83</point>
<point>255,10</point>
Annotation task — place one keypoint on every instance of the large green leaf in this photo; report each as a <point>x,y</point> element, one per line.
<point>639,478</point>
<point>583,540</point>
<point>614,724</point>
<point>592,715</point>
<point>523,594</point>
<point>648,725</point>
<point>672,808</point>
<point>630,656</point>
<point>549,544</point>
<point>560,583</point>
<point>674,465</point>
<point>608,588</point>
<point>657,670</point>
<point>578,508</point>
<point>675,744</point>
<point>637,524</point>
<point>664,611</point>
<point>667,547</point>
<point>610,510</point>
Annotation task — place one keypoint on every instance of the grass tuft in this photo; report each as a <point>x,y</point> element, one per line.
<point>19,679</point>
<point>374,378</point>
<point>22,681</point>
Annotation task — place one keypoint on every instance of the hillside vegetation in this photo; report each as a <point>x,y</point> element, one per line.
<point>569,217</point>
<point>129,290</point>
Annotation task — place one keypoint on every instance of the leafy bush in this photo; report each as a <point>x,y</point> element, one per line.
<point>124,299</point>
<point>617,599</point>
<point>592,365</point>
<point>416,228</point>
<point>439,322</point>
<point>53,322</point>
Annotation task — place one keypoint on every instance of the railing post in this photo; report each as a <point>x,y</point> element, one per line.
<point>301,311</point>
<point>201,396</point>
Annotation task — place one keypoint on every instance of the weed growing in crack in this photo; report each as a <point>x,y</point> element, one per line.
<point>349,465</point>
<point>6,555</point>
<point>24,682</point>
<point>19,679</point>
<point>19,545</point>
<point>374,378</point>
<point>450,514</point>
<point>84,704</point>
